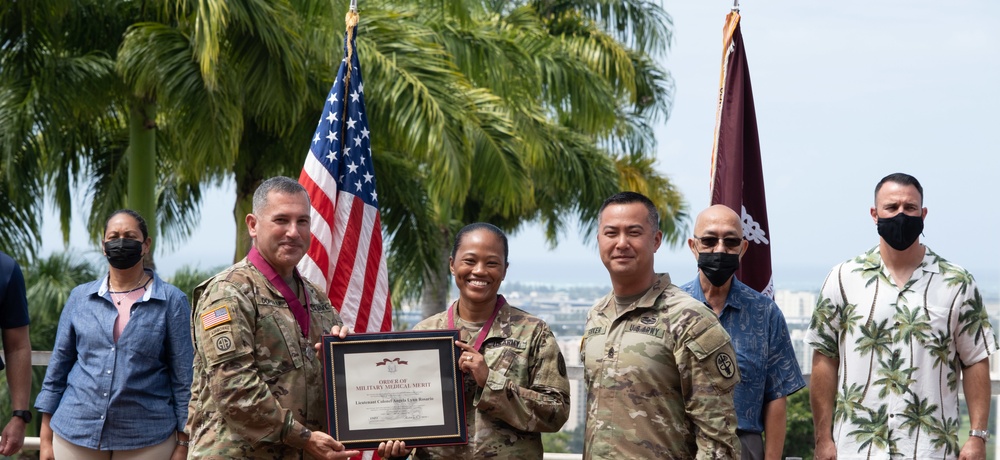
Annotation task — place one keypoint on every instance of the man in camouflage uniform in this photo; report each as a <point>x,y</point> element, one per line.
<point>659,367</point>
<point>258,384</point>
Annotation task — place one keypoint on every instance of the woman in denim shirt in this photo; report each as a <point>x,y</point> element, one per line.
<point>119,379</point>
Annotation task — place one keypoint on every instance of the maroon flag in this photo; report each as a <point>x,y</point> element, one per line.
<point>737,176</point>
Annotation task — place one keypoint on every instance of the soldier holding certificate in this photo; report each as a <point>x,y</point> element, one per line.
<point>516,385</point>
<point>258,384</point>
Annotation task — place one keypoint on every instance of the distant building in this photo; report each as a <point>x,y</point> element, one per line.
<point>797,307</point>
<point>570,348</point>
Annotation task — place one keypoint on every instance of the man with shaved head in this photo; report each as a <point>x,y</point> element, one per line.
<point>759,334</point>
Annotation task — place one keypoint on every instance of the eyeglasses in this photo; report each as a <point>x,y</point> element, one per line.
<point>712,241</point>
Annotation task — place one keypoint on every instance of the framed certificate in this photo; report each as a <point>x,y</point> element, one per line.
<point>394,385</point>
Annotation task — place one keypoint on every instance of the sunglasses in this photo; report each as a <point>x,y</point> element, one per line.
<point>712,241</point>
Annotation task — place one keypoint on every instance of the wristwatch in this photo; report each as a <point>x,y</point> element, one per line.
<point>980,434</point>
<point>23,414</point>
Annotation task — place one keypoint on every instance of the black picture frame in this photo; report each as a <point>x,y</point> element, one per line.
<point>380,410</point>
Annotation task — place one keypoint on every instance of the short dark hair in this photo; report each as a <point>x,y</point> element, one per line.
<point>901,179</point>
<point>142,222</point>
<point>481,226</point>
<point>634,197</point>
<point>280,184</point>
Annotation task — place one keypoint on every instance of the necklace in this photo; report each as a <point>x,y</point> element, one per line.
<point>125,293</point>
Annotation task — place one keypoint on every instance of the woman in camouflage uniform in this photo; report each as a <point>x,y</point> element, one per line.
<point>515,385</point>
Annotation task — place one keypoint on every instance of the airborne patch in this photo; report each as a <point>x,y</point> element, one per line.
<point>216,317</point>
<point>223,342</point>
<point>222,339</point>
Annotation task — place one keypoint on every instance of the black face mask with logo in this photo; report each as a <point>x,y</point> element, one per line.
<point>900,231</point>
<point>123,253</point>
<point>718,267</point>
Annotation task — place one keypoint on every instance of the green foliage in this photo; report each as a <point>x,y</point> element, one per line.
<point>187,278</point>
<point>508,112</point>
<point>799,440</point>
<point>556,442</point>
<point>566,441</point>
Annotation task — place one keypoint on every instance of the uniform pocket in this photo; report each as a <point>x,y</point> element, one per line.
<point>716,357</point>
<point>277,347</point>
<point>505,361</point>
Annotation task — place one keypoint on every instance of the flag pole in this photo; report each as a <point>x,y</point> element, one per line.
<point>736,5</point>
<point>354,6</point>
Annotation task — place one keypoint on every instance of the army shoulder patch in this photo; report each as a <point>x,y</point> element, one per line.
<point>216,317</point>
<point>726,365</point>
<point>222,339</point>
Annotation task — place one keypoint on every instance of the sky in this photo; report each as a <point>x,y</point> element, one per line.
<point>846,92</point>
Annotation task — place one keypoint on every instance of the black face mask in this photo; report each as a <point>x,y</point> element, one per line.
<point>123,253</point>
<point>718,267</point>
<point>900,231</point>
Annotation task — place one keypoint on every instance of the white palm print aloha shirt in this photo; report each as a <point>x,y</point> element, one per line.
<point>901,351</point>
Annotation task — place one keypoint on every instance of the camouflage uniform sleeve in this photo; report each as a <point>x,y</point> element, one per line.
<point>540,406</point>
<point>227,349</point>
<point>709,374</point>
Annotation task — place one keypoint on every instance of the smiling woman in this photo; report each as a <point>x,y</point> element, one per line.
<point>515,377</point>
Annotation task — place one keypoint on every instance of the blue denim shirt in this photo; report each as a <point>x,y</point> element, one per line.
<point>125,395</point>
<point>764,351</point>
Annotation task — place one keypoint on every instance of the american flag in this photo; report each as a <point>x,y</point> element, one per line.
<point>218,316</point>
<point>346,256</point>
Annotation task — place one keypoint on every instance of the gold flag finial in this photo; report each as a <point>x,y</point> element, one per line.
<point>351,20</point>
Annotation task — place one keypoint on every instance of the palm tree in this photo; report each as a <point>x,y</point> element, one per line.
<point>973,317</point>
<point>873,430</point>
<point>946,435</point>
<point>875,340</point>
<point>192,91</point>
<point>187,278</point>
<point>895,378</point>
<point>912,325</point>
<point>849,402</point>
<point>146,97</point>
<point>939,347</point>
<point>848,323</point>
<point>473,140</point>
<point>919,415</point>
<point>575,95</point>
<point>871,267</point>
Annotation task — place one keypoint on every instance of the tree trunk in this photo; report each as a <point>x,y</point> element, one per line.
<point>141,191</point>
<point>434,298</point>
<point>246,184</point>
